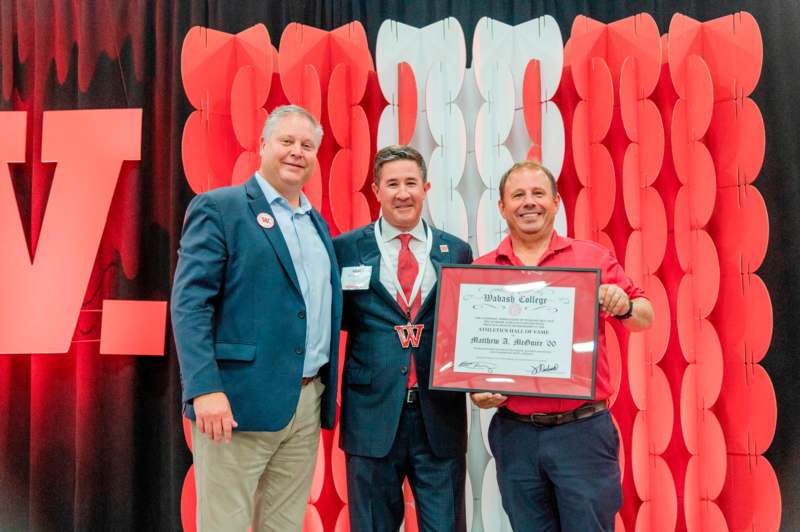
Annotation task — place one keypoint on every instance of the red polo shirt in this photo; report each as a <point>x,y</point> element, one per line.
<point>564,252</point>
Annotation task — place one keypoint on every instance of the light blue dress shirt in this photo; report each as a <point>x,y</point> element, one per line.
<point>313,268</point>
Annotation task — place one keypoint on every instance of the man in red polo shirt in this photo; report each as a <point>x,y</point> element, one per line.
<point>557,465</point>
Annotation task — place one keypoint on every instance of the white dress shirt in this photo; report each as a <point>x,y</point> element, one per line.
<point>418,246</point>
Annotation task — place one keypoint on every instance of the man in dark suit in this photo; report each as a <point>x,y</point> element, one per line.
<point>392,426</point>
<point>256,310</point>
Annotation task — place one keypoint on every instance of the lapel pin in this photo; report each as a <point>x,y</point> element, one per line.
<point>443,248</point>
<point>265,220</point>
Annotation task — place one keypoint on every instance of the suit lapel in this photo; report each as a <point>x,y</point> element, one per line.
<point>258,204</point>
<point>370,255</point>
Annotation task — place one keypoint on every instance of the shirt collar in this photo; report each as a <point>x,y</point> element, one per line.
<point>273,196</point>
<point>557,243</point>
<point>389,232</point>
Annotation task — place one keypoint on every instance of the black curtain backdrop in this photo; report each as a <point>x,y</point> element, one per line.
<point>91,442</point>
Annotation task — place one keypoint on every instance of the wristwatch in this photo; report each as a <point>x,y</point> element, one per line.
<point>628,314</point>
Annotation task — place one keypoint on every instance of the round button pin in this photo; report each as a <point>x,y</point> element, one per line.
<point>265,220</point>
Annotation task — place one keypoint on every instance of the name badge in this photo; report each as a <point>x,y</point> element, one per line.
<point>356,277</point>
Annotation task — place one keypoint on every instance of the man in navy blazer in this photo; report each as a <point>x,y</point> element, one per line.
<point>256,310</point>
<point>392,426</point>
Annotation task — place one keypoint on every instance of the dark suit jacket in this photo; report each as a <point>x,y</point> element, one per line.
<point>238,315</point>
<point>374,377</point>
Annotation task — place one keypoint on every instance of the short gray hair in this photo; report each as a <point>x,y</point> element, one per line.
<point>397,152</point>
<point>279,113</point>
<point>528,165</point>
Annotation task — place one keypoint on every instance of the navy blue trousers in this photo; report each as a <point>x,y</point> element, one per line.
<point>563,478</point>
<point>375,485</point>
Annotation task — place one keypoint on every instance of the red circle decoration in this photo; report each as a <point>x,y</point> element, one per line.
<point>703,515</point>
<point>699,97</point>
<point>629,97</point>
<point>652,143</point>
<point>601,99</point>
<point>532,101</point>
<point>751,499</point>
<point>300,65</point>
<point>319,474</point>
<point>747,408</point>
<point>342,98</point>
<point>338,470</point>
<point>643,116</point>
<point>194,152</point>
<point>638,370</point>
<point>654,229</point>
<point>187,432</point>
<point>632,186</point>
<point>406,102</point>
<point>247,115</point>
<point>733,47</point>
<point>602,184</point>
<point>752,139</point>
<point>222,158</point>
<point>758,316</point>
<point>189,501</point>
<point>619,524</point>
<point>312,522</point>
<point>660,511</point>
<point>744,317</point>
<point>684,40</point>
<point>636,40</point>
<point>349,207</point>
<point>744,208</point>
<point>581,142</point>
<point>708,358</point>
<point>246,165</point>
<point>738,140</point>
<point>755,230</point>
<point>254,48</point>
<point>205,57</point>
<point>343,521</point>
<point>657,337</point>
<point>587,37</point>
<point>705,472</point>
<point>313,188</point>
<point>680,140</point>
<point>659,413</point>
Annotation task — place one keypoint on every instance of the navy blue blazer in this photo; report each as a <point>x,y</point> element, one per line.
<point>375,371</point>
<point>238,316</point>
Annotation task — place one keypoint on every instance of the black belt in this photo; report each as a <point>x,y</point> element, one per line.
<point>553,420</point>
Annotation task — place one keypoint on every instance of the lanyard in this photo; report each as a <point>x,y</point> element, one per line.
<point>384,254</point>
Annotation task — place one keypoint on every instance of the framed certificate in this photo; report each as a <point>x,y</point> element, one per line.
<point>516,330</point>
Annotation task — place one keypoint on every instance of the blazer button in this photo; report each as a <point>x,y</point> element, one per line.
<point>298,350</point>
<point>404,370</point>
<point>301,314</point>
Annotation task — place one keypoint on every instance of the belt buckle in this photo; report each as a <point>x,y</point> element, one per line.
<point>412,395</point>
<point>532,418</point>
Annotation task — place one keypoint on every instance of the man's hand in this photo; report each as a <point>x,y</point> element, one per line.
<point>613,300</point>
<point>214,416</point>
<point>487,399</point>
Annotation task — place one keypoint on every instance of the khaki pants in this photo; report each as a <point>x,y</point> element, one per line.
<point>259,479</point>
